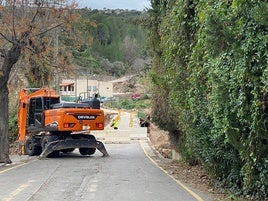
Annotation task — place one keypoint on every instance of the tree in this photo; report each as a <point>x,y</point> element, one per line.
<point>130,48</point>
<point>26,28</point>
<point>103,35</point>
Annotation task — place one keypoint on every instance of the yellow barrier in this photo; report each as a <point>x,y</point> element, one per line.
<point>117,118</point>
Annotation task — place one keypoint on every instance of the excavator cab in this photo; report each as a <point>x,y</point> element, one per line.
<point>37,106</point>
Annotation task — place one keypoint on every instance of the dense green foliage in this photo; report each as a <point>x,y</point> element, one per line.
<point>210,81</point>
<point>113,41</point>
<point>129,104</point>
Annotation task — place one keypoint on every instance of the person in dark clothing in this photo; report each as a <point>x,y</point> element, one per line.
<point>96,102</point>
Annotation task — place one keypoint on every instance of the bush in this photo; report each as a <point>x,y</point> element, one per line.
<point>129,104</point>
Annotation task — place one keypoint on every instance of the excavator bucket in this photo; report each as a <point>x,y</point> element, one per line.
<point>72,144</point>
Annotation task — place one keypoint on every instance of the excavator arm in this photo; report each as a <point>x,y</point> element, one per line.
<point>22,118</point>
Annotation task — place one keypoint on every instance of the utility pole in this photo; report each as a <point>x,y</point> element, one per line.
<point>88,95</point>
<point>57,79</point>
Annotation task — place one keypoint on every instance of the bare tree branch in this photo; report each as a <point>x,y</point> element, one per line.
<point>5,38</point>
<point>37,11</point>
<point>13,20</point>
<point>31,49</point>
<point>5,26</point>
<point>51,28</point>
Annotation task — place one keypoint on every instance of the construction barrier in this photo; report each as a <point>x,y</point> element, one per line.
<point>117,136</point>
<point>121,136</point>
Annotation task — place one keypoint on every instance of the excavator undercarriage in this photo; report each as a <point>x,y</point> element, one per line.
<point>52,145</point>
<point>86,147</point>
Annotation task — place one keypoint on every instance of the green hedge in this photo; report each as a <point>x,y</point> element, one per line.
<point>210,65</point>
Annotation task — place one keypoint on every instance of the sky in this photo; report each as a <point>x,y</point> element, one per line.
<point>114,4</point>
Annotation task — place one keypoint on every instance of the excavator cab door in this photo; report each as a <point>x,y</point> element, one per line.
<point>36,112</point>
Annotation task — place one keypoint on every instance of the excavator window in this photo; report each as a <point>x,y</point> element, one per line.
<point>35,117</point>
<point>36,109</point>
<point>49,102</point>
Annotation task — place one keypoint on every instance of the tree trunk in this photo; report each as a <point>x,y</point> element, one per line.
<point>4,144</point>
<point>10,59</point>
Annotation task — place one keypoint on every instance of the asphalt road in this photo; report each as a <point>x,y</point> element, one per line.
<point>127,174</point>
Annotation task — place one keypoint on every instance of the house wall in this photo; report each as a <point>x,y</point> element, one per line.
<point>87,88</point>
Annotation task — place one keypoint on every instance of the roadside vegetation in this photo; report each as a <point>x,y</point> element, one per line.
<point>209,75</point>
<point>129,104</point>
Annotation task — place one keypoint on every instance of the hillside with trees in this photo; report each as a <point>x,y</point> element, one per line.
<point>209,75</point>
<point>113,42</point>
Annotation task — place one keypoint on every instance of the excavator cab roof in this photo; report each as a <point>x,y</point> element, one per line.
<point>37,92</point>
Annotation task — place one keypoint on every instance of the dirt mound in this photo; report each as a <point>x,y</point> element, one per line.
<point>159,138</point>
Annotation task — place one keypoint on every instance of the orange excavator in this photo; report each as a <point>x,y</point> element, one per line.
<point>48,127</point>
